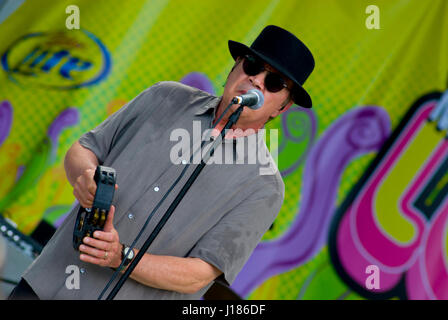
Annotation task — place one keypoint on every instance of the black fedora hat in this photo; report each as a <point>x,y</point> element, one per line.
<point>285,52</point>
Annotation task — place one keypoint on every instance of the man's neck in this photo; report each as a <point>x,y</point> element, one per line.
<point>238,130</point>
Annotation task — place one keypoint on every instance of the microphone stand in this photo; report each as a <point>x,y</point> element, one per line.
<point>232,120</point>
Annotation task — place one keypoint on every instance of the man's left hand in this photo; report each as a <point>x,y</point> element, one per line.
<point>104,249</point>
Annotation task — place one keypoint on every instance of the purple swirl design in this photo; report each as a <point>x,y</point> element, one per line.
<point>299,125</point>
<point>199,81</point>
<point>358,132</point>
<point>68,117</point>
<point>5,120</point>
<point>61,219</point>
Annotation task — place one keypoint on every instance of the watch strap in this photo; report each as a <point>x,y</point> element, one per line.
<point>123,254</point>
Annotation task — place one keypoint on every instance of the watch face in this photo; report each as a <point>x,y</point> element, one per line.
<point>130,256</point>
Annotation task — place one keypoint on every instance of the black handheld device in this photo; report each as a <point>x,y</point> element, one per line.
<point>92,219</point>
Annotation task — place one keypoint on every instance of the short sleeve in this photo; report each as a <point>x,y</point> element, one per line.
<point>229,244</point>
<point>102,138</point>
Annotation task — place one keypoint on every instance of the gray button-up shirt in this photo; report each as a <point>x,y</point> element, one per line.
<point>220,220</point>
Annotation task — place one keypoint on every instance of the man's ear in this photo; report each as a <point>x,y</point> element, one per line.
<point>238,60</point>
<point>282,109</point>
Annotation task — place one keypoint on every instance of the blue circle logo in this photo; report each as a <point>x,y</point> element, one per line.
<point>58,60</point>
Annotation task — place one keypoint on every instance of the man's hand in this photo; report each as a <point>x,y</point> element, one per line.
<point>181,274</point>
<point>105,248</point>
<point>84,188</point>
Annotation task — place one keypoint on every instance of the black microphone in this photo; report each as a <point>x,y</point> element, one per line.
<point>253,99</point>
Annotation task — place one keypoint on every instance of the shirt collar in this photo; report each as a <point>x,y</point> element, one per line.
<point>212,104</point>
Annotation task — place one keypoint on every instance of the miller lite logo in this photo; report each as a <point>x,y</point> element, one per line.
<point>57,60</point>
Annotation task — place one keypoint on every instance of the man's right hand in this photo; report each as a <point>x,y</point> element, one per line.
<point>85,187</point>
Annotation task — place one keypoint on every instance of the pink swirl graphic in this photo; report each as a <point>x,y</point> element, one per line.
<point>358,132</point>
<point>372,237</point>
<point>416,269</point>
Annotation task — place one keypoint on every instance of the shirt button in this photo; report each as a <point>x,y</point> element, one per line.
<point>82,270</point>
<point>184,161</point>
<point>156,189</point>
<point>130,216</point>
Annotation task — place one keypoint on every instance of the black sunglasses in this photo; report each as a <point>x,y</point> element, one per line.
<point>273,82</point>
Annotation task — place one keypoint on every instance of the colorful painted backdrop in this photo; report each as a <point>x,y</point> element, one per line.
<point>57,83</point>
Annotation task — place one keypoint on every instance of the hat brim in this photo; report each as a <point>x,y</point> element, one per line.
<point>301,97</point>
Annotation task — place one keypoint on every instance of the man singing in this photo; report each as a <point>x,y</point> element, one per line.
<point>223,216</point>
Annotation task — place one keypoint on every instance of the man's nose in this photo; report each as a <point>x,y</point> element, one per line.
<point>258,80</point>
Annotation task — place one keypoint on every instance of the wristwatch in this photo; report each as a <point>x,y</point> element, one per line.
<point>125,249</point>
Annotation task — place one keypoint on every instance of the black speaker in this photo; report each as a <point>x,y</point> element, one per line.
<point>221,291</point>
<point>18,251</point>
